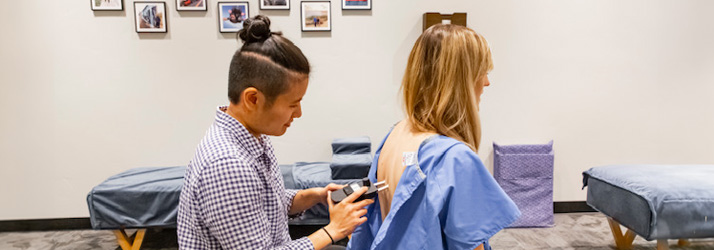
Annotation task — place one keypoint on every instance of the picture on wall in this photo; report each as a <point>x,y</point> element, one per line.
<point>150,17</point>
<point>191,5</point>
<point>315,16</point>
<point>274,4</point>
<point>231,16</point>
<point>356,4</point>
<point>107,4</point>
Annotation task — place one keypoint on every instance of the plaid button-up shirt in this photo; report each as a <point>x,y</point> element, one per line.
<point>233,195</point>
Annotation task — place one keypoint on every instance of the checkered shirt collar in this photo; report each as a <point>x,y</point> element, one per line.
<point>244,137</point>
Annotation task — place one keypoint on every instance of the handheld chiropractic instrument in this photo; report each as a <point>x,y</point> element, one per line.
<point>372,189</point>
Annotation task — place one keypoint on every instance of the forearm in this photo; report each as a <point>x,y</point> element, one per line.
<point>320,239</point>
<point>305,199</point>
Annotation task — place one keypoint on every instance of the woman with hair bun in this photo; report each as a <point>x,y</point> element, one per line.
<point>439,195</point>
<point>233,195</point>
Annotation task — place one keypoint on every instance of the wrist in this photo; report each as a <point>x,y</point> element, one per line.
<point>320,195</point>
<point>334,232</point>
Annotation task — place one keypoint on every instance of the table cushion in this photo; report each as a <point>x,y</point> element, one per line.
<point>137,198</point>
<point>655,201</point>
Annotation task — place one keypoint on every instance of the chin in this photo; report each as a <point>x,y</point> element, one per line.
<point>278,133</point>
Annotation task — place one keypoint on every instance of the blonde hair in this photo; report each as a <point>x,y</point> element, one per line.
<point>440,83</point>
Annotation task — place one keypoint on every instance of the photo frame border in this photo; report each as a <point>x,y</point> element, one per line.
<point>179,8</point>
<point>263,7</point>
<point>329,17</point>
<point>166,18</point>
<point>345,7</point>
<point>121,6</point>
<point>220,20</point>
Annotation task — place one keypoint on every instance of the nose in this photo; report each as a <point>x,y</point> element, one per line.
<point>487,82</point>
<point>298,112</point>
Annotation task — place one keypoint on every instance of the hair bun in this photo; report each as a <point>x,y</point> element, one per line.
<point>255,29</point>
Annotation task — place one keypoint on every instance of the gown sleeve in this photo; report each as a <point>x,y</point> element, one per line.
<point>474,207</point>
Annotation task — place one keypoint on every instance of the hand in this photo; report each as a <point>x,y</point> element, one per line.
<point>329,188</point>
<point>346,215</point>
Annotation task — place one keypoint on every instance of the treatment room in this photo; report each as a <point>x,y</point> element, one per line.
<point>357,124</point>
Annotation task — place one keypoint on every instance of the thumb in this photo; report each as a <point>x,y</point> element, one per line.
<point>330,203</point>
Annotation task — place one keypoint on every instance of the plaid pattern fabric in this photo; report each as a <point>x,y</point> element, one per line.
<point>233,195</point>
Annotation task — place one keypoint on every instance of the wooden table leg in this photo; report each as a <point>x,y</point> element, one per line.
<point>662,244</point>
<point>129,243</point>
<point>622,242</point>
<point>138,239</point>
<point>683,242</point>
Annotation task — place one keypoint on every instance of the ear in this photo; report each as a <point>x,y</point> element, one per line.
<point>252,99</point>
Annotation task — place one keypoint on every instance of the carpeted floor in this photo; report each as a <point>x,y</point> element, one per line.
<point>572,231</point>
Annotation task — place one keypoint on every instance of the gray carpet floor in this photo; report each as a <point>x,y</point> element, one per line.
<point>572,231</point>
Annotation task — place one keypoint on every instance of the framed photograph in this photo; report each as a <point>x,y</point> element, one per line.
<point>274,4</point>
<point>315,16</point>
<point>356,4</point>
<point>150,17</point>
<point>191,5</point>
<point>231,16</point>
<point>107,4</point>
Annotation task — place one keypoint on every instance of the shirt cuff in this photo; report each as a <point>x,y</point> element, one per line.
<point>290,193</point>
<point>304,243</point>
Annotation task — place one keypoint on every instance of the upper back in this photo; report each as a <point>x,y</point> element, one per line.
<point>399,150</point>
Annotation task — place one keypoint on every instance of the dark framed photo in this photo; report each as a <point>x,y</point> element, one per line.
<point>315,16</point>
<point>274,4</point>
<point>191,5</point>
<point>356,4</point>
<point>231,15</point>
<point>107,4</point>
<point>150,17</point>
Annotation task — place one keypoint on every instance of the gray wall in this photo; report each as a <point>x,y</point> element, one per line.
<point>83,97</point>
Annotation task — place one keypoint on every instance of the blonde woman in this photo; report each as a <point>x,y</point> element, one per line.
<point>439,194</point>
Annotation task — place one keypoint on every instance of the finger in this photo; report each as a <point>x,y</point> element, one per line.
<point>355,195</point>
<point>333,187</point>
<point>361,212</point>
<point>364,203</point>
<point>330,204</point>
<point>361,220</point>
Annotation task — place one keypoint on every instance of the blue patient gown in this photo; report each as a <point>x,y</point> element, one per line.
<point>448,200</point>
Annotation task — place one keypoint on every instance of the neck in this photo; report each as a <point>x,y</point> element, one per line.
<point>240,115</point>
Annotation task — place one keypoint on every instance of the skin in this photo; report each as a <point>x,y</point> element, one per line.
<point>404,139</point>
<point>480,85</point>
<point>259,118</point>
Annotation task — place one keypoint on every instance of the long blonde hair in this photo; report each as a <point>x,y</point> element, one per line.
<point>441,81</point>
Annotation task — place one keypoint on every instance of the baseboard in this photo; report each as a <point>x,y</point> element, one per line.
<point>45,224</point>
<point>83,223</point>
<point>571,207</point>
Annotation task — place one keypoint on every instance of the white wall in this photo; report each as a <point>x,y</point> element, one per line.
<point>83,97</point>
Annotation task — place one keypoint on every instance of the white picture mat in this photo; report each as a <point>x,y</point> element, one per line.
<point>160,9</point>
<point>263,6</point>
<point>311,8</point>
<point>202,6</point>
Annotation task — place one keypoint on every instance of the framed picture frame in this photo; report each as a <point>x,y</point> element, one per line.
<point>356,4</point>
<point>231,15</point>
<point>315,16</point>
<point>200,5</point>
<point>107,4</point>
<point>274,4</point>
<point>150,17</point>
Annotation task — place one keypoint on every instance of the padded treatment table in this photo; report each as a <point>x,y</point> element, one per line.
<point>137,198</point>
<point>656,202</point>
<point>148,197</point>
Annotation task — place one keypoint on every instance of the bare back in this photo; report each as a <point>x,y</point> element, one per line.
<point>391,163</point>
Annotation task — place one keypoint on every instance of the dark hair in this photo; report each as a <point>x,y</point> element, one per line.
<point>267,61</point>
